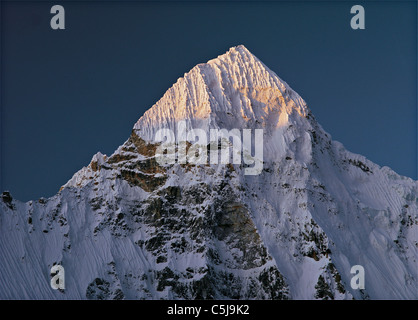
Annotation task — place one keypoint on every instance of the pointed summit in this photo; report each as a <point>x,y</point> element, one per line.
<point>237,53</point>
<point>241,49</point>
<point>233,90</point>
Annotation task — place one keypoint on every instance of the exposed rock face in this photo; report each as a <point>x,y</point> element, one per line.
<point>126,227</point>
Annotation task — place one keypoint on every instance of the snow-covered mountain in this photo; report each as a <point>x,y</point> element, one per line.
<point>127,226</point>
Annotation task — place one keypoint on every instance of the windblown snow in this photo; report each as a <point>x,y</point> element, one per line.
<point>127,227</point>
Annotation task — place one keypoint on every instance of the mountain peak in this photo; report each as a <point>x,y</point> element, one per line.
<point>239,50</point>
<point>233,90</point>
<point>128,227</point>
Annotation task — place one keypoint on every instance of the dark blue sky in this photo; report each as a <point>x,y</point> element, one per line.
<point>67,94</point>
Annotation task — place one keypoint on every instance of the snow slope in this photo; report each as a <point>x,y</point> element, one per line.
<point>126,227</point>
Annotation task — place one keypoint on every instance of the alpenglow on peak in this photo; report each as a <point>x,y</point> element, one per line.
<point>234,89</point>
